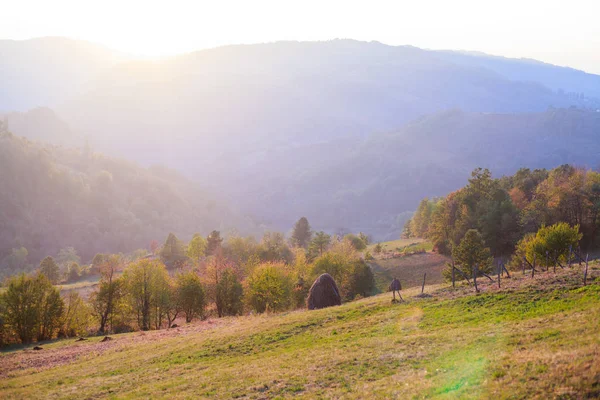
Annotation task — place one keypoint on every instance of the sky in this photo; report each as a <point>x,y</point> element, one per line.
<point>565,33</point>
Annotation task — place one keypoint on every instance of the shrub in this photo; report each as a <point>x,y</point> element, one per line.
<point>270,288</point>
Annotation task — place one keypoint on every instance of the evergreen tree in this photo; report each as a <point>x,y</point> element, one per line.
<point>472,252</point>
<point>213,242</point>
<point>229,294</point>
<point>173,251</point>
<point>302,233</point>
<point>49,268</point>
<point>319,244</point>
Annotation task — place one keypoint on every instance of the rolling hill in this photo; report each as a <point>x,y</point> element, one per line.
<point>529,339</point>
<point>53,197</point>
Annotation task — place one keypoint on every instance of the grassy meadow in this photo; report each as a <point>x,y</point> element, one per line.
<point>534,338</point>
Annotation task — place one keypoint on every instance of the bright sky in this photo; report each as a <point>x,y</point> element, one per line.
<point>557,31</point>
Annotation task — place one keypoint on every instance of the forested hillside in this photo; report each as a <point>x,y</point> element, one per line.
<point>53,197</point>
<point>507,211</point>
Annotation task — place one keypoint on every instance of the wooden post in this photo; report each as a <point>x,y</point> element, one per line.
<point>423,287</point>
<point>523,268</point>
<point>570,254</point>
<point>547,262</point>
<point>586,270</point>
<point>475,278</point>
<point>555,261</point>
<point>499,269</point>
<point>453,272</point>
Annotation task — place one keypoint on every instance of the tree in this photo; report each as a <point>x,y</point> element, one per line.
<point>270,288</point>
<point>106,299</point>
<point>378,249</point>
<point>196,248</point>
<point>67,256</point>
<point>319,244</point>
<point>16,261</point>
<point>213,242</point>
<point>33,307</point>
<point>302,233</point>
<point>552,242</point>
<point>365,238</point>
<point>357,281</point>
<point>229,294</point>
<point>190,295</point>
<point>73,272</point>
<point>273,248</point>
<point>147,282</point>
<point>356,242</point>
<point>472,252</point>
<point>98,261</point>
<point>173,251</point>
<point>76,317</point>
<point>50,269</point>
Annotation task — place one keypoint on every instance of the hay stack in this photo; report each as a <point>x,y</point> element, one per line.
<point>323,293</point>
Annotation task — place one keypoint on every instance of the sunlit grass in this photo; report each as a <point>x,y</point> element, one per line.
<point>520,344</point>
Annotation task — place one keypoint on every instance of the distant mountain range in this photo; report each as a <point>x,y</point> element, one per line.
<point>349,134</point>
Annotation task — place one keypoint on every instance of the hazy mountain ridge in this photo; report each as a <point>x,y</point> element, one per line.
<point>303,128</point>
<point>54,197</point>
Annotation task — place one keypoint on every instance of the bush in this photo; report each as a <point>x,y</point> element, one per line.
<point>191,299</point>
<point>270,288</point>
<point>32,308</point>
<point>229,294</point>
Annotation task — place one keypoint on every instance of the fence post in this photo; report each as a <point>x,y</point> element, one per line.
<point>423,287</point>
<point>547,262</point>
<point>499,269</point>
<point>453,272</point>
<point>570,254</point>
<point>475,278</point>
<point>586,270</point>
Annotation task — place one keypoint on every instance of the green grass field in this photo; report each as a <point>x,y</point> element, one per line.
<point>532,339</point>
<point>395,244</point>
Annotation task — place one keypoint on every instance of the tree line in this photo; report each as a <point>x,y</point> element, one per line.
<point>176,281</point>
<point>541,213</point>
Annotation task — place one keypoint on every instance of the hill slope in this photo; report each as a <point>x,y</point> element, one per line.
<point>533,340</point>
<point>53,197</point>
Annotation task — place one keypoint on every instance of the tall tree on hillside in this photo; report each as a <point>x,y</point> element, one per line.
<point>229,294</point>
<point>49,268</point>
<point>319,244</point>
<point>213,242</point>
<point>190,295</point>
<point>105,300</point>
<point>472,252</point>
<point>145,281</point>
<point>173,251</point>
<point>196,248</point>
<point>302,233</point>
